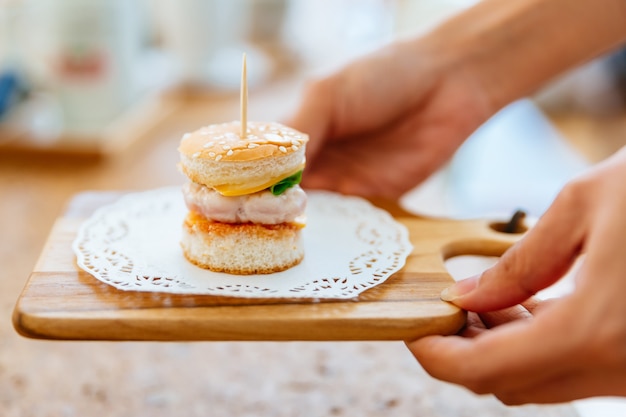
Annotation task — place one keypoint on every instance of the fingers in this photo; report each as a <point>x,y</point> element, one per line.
<point>480,323</point>
<point>496,318</point>
<point>572,347</point>
<point>473,326</point>
<point>572,385</point>
<point>534,263</point>
<point>507,359</point>
<point>546,359</point>
<point>385,162</point>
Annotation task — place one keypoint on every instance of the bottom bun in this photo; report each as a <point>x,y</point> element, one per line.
<point>242,249</point>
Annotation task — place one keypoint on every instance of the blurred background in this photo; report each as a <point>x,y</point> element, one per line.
<point>70,69</point>
<point>95,95</point>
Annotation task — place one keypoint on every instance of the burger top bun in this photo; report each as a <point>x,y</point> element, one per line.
<point>218,157</point>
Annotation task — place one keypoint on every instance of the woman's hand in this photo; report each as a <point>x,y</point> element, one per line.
<point>563,349</point>
<point>385,122</point>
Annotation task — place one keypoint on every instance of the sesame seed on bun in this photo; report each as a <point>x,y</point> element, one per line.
<point>217,156</point>
<point>242,219</point>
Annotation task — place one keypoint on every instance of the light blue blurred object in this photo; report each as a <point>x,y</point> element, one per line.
<point>9,89</point>
<point>516,160</point>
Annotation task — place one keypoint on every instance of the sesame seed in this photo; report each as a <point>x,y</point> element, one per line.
<point>230,152</point>
<point>294,147</point>
<point>282,149</point>
<point>225,147</point>
<point>295,142</point>
<point>195,155</point>
<point>221,142</point>
<point>212,154</point>
<point>253,145</point>
<point>218,158</point>
<point>208,144</point>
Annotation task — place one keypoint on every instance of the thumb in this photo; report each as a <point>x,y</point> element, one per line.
<point>537,261</point>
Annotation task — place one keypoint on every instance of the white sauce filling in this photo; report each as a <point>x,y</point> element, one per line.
<point>262,207</point>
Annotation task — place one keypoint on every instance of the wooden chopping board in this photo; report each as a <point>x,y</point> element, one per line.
<point>61,301</point>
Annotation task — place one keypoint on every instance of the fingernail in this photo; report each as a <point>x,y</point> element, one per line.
<point>460,288</point>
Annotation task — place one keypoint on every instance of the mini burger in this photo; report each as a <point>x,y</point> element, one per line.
<point>246,209</point>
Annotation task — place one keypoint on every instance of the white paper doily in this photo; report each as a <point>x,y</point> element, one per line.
<point>134,244</point>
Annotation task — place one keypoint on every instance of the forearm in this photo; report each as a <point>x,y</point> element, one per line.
<point>510,48</point>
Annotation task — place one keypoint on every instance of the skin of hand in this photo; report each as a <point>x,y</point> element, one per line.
<point>385,122</point>
<point>387,109</point>
<point>526,351</point>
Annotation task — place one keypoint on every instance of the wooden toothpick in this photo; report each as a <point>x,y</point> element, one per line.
<point>243,100</point>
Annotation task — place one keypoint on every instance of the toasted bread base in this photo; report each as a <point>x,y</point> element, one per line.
<point>241,248</point>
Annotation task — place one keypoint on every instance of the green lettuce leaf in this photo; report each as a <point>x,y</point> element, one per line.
<point>283,185</point>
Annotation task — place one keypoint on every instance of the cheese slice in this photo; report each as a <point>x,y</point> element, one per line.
<point>300,221</point>
<point>232,190</point>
